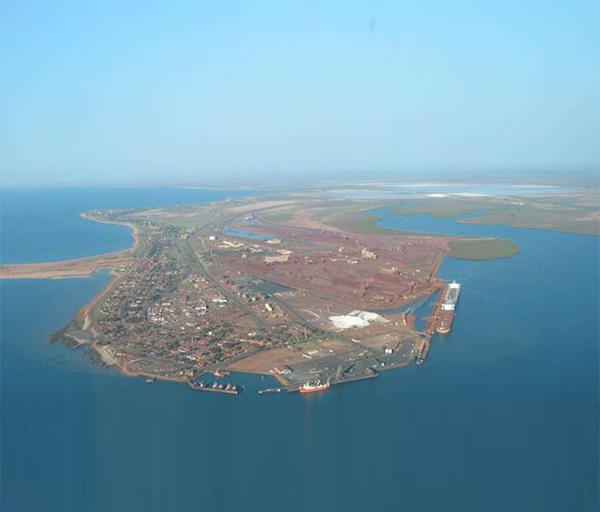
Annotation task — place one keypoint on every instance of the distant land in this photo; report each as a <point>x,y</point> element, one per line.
<point>566,209</point>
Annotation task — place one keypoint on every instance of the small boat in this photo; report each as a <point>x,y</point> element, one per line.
<point>219,374</point>
<point>149,381</point>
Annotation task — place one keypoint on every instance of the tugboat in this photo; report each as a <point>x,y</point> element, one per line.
<point>311,387</point>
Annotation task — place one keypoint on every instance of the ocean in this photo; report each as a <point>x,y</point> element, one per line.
<point>41,225</point>
<point>502,416</point>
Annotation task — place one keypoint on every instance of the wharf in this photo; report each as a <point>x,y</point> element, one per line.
<point>434,318</point>
<point>342,380</point>
<point>372,375</point>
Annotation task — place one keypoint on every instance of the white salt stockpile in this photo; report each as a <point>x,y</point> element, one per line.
<point>347,321</point>
<point>357,318</point>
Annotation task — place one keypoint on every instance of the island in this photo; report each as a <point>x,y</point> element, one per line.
<point>300,286</point>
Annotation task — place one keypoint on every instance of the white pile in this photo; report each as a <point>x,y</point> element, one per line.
<point>357,318</point>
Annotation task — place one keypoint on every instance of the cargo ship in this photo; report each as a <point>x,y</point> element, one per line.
<point>311,387</point>
<point>448,307</point>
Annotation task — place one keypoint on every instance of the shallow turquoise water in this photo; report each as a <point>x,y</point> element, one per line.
<point>502,416</point>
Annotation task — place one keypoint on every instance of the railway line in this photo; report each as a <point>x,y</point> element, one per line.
<point>202,269</point>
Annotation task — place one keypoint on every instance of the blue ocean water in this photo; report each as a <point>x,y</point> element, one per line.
<point>44,224</point>
<point>502,416</point>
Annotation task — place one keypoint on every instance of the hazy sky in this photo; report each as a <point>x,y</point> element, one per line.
<point>109,91</point>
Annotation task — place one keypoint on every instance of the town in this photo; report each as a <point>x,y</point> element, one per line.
<point>223,288</point>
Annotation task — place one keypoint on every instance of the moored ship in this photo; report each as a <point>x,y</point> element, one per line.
<point>215,387</point>
<point>311,387</point>
<point>424,351</point>
<point>448,308</point>
<point>452,293</point>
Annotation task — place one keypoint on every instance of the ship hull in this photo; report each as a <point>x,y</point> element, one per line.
<point>445,323</point>
<point>314,389</point>
<point>448,308</point>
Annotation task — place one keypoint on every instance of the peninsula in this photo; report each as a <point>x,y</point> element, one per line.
<point>297,286</point>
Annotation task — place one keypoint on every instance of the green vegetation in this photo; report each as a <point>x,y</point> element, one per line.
<point>358,222</point>
<point>572,214</point>
<point>568,221</point>
<point>440,207</point>
<point>482,249</point>
<point>472,249</point>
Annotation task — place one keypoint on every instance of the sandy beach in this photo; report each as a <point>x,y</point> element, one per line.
<point>81,267</point>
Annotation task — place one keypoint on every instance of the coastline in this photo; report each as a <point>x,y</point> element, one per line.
<point>75,268</point>
<point>84,268</point>
<point>135,230</point>
<point>117,262</point>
